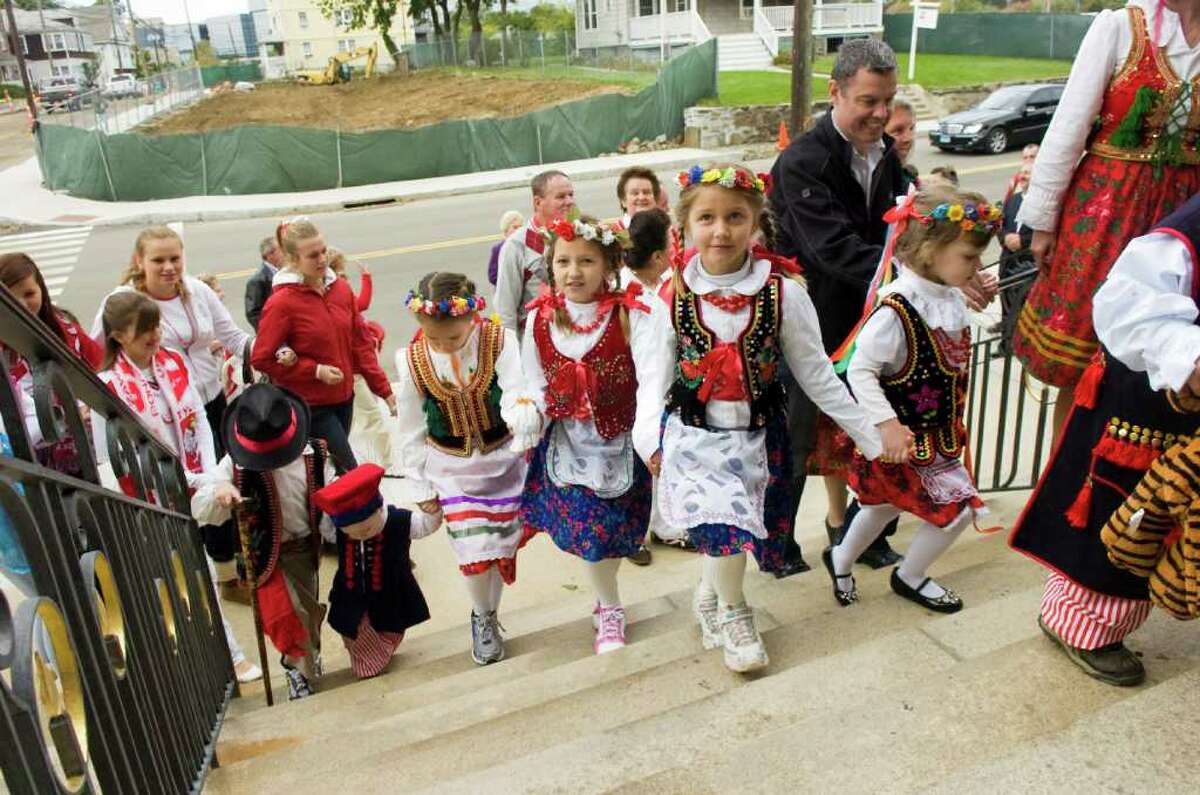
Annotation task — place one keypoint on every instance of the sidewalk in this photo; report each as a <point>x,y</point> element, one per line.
<point>40,207</point>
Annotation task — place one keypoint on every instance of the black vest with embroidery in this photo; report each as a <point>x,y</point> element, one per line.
<point>928,392</point>
<point>460,421</point>
<point>266,519</point>
<point>758,345</point>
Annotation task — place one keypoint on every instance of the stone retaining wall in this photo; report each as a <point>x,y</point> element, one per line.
<point>708,127</point>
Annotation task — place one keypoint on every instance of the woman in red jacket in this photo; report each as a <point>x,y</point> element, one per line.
<point>314,313</point>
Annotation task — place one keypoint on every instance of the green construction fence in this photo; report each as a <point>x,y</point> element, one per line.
<point>270,159</point>
<point>245,71</point>
<point>1011,35</point>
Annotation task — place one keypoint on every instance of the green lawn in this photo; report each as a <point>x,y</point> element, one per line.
<point>933,71</point>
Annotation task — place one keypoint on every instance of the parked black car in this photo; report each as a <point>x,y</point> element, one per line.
<point>1009,116</point>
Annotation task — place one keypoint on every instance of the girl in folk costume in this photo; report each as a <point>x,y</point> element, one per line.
<point>463,427</point>
<point>648,261</point>
<point>1139,398</point>
<point>591,356</point>
<point>909,372</point>
<point>726,468</point>
<point>20,275</point>
<point>1131,108</point>
<point>155,384</point>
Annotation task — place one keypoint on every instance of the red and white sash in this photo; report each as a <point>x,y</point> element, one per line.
<point>180,431</point>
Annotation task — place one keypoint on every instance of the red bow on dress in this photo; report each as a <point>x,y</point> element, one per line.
<point>723,374</point>
<point>575,382</point>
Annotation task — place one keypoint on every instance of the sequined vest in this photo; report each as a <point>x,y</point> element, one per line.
<point>266,519</point>
<point>461,421</point>
<point>612,385</point>
<point>1135,121</point>
<point>758,345</point>
<point>929,392</point>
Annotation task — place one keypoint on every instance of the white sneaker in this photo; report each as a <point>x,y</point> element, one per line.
<point>247,672</point>
<point>744,650</point>
<point>704,606</point>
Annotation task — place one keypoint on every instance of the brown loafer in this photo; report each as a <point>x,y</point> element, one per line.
<point>235,591</point>
<point>1114,664</point>
<point>641,557</point>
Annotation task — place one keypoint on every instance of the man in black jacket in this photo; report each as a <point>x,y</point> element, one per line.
<point>832,187</point>
<point>258,288</point>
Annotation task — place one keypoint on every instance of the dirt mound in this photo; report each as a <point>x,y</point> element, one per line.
<point>381,103</point>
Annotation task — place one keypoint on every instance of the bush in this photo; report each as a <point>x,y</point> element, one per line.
<point>15,90</point>
<point>783,59</point>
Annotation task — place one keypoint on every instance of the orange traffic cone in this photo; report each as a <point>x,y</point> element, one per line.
<point>783,141</point>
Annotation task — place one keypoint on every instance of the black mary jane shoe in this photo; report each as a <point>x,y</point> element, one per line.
<point>880,555</point>
<point>948,602</point>
<point>844,598</point>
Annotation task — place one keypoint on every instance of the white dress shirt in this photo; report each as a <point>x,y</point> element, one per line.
<point>863,166</point>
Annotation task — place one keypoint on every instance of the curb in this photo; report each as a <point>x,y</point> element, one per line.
<point>278,207</point>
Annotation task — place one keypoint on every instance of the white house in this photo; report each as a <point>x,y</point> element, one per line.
<point>300,38</point>
<point>749,33</point>
<point>54,47</point>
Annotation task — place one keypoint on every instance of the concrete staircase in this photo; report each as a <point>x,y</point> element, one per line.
<point>926,106</point>
<point>741,52</point>
<point>882,696</point>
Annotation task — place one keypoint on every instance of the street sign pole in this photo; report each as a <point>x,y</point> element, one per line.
<point>925,16</point>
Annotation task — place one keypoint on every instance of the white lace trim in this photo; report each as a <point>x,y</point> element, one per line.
<point>939,306</point>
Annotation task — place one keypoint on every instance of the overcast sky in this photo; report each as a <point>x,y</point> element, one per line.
<point>172,10</point>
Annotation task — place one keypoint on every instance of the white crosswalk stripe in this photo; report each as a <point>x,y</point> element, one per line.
<point>56,252</point>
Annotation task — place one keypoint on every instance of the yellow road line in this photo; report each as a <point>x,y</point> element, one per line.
<point>389,252</point>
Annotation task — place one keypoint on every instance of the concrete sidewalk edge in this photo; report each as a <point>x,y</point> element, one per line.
<point>192,209</point>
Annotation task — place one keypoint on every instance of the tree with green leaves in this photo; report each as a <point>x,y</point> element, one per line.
<point>374,14</point>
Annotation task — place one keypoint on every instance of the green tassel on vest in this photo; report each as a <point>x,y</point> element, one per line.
<point>434,419</point>
<point>1128,134</point>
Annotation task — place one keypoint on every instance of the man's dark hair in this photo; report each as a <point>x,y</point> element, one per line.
<point>870,54</point>
<point>538,183</point>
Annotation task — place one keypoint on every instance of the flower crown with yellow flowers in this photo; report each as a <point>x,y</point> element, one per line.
<point>728,177</point>
<point>458,306</point>
<point>982,217</point>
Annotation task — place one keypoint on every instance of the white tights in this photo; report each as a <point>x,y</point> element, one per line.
<point>603,576</point>
<point>725,576</point>
<point>928,544</point>
<point>485,590</point>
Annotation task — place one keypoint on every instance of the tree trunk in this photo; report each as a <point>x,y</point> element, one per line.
<point>390,45</point>
<point>801,66</point>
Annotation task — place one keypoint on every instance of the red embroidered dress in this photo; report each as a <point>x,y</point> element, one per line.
<point>1141,163</point>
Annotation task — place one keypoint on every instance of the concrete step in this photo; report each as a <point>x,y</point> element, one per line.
<point>648,677</point>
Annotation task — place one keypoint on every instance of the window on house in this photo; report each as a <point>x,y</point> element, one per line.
<point>677,6</point>
<point>589,14</point>
<point>304,19</point>
<point>307,49</point>
<point>345,45</point>
<point>345,17</point>
<point>647,8</point>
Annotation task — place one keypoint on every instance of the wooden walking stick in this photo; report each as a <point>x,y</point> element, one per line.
<point>243,510</point>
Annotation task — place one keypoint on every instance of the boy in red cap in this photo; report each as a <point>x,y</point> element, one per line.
<point>271,471</point>
<point>374,597</point>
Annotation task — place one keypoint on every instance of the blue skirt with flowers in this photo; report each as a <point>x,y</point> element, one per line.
<point>721,540</point>
<point>579,521</point>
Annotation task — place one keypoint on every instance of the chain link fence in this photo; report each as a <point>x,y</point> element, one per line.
<point>123,104</point>
<point>527,49</point>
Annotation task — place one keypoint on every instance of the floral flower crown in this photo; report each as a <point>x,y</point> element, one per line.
<point>571,228</point>
<point>981,217</point>
<point>729,177</point>
<point>457,306</point>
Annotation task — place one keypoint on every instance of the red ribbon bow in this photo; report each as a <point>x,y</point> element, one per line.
<point>547,302</point>
<point>574,383</point>
<point>904,211</point>
<point>723,374</point>
<point>628,298</point>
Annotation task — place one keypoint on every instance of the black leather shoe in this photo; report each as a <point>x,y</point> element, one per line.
<point>1114,664</point>
<point>880,555</point>
<point>946,603</point>
<point>641,557</point>
<point>796,565</point>
<point>844,598</point>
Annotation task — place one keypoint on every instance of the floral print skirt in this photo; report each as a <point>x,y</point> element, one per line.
<point>722,540</point>
<point>579,521</point>
<point>1108,203</point>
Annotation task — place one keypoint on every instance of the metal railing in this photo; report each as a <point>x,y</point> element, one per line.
<point>1008,416</point>
<point>110,112</point>
<point>116,672</point>
<point>830,17</point>
<point>766,31</point>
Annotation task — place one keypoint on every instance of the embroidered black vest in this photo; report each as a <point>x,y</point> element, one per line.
<point>928,392</point>
<point>459,421</point>
<point>758,345</point>
<point>266,519</point>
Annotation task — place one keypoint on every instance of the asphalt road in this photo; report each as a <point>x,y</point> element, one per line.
<point>400,243</point>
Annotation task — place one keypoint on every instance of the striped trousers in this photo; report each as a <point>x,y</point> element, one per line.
<point>1088,620</point>
<point>371,651</point>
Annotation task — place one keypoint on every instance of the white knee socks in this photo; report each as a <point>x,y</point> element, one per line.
<point>867,525</point>
<point>927,546</point>
<point>725,576</point>
<point>479,586</point>
<point>497,587</point>
<point>603,576</point>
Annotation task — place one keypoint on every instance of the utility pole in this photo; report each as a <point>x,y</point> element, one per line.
<point>137,59</point>
<point>191,33</point>
<point>112,18</point>
<point>19,51</point>
<point>801,65</point>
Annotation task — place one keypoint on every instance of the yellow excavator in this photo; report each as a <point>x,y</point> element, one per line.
<point>338,70</point>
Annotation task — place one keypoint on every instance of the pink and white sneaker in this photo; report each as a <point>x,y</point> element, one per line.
<point>610,628</point>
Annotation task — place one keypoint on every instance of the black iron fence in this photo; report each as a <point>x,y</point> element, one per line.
<point>116,672</point>
<point>1008,415</point>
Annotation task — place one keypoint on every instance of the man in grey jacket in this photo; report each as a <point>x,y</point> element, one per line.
<point>258,288</point>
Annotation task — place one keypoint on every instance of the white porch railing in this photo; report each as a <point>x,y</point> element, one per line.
<point>766,31</point>
<point>830,17</point>
<point>700,31</point>
<point>676,26</point>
